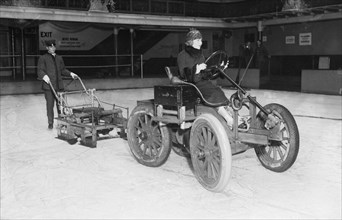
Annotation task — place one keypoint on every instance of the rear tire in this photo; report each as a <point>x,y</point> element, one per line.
<point>150,143</point>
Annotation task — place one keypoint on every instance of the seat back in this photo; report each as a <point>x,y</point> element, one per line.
<point>176,81</point>
<point>168,72</point>
<point>173,79</point>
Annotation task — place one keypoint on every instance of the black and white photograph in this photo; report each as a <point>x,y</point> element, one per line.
<point>170,109</point>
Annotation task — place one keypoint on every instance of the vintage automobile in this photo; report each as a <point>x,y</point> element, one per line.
<point>179,118</point>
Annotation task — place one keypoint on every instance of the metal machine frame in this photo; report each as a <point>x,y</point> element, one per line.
<point>87,121</point>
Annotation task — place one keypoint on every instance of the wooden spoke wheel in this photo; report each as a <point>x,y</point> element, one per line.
<point>279,156</point>
<point>150,143</point>
<point>210,153</point>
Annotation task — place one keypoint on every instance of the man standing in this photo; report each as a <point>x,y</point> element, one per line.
<point>50,69</point>
<point>261,56</point>
<point>245,53</point>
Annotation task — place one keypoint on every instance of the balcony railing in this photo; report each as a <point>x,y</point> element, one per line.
<point>173,7</point>
<point>158,7</point>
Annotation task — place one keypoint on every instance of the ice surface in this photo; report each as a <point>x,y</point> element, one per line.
<point>43,177</point>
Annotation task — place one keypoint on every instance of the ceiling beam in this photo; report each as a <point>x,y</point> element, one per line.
<point>305,18</point>
<point>109,18</point>
<point>164,22</point>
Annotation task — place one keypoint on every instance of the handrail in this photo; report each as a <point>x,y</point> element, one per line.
<point>65,55</point>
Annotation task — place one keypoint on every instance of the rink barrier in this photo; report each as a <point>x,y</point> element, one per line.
<point>33,87</point>
<point>322,81</point>
<point>250,80</point>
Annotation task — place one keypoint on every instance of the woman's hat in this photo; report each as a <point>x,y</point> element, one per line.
<point>193,34</point>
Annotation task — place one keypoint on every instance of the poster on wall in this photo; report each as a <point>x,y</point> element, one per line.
<point>304,39</point>
<point>290,40</point>
<point>324,63</point>
<point>71,36</point>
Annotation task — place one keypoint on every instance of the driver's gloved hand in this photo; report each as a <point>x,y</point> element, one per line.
<point>206,74</point>
<point>221,76</point>
<point>215,73</point>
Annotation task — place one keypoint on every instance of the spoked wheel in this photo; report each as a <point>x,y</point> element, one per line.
<point>279,156</point>
<point>149,143</point>
<point>210,153</point>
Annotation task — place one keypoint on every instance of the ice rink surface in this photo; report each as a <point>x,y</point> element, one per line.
<point>43,177</point>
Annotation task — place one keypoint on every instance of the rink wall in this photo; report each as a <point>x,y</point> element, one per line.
<point>31,87</point>
<point>250,80</point>
<point>322,81</point>
<point>312,81</point>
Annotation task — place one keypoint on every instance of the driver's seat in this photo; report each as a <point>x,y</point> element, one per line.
<point>176,80</point>
<point>176,97</point>
<point>172,78</point>
<point>169,73</point>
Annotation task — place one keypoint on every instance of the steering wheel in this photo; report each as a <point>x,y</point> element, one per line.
<point>217,61</point>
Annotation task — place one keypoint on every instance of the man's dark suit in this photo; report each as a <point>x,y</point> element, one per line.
<point>52,66</point>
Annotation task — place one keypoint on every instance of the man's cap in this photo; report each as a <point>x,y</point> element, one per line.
<point>49,43</point>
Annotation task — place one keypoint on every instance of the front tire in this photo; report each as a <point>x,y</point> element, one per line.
<point>279,156</point>
<point>210,153</point>
<point>150,143</point>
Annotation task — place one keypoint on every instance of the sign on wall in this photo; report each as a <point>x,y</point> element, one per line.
<point>324,63</point>
<point>304,39</point>
<point>290,40</point>
<point>71,36</point>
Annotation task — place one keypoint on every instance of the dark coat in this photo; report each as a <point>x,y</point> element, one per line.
<point>54,68</point>
<point>261,53</point>
<point>187,60</point>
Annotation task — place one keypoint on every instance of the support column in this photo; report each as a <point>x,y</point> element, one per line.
<point>131,30</point>
<point>260,29</point>
<point>23,63</point>
<point>141,66</point>
<point>14,68</point>
<point>116,32</point>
